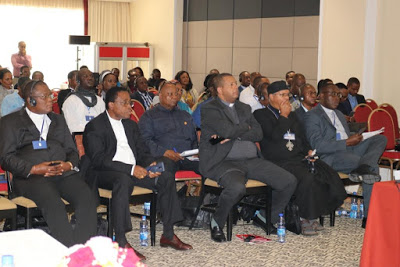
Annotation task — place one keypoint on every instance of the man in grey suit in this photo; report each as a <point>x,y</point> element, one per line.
<point>234,160</point>
<point>328,133</point>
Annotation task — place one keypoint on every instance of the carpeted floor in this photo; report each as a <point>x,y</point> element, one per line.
<point>335,246</point>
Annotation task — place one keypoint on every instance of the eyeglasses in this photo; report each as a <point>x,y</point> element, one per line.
<point>123,103</point>
<point>43,97</point>
<point>335,94</point>
<point>312,93</point>
<point>284,94</point>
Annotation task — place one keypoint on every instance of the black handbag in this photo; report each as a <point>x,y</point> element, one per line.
<point>292,218</point>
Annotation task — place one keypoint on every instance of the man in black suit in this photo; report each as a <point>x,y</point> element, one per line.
<point>142,95</point>
<point>38,150</point>
<point>354,98</point>
<point>308,99</point>
<point>236,159</point>
<point>119,156</point>
<point>72,84</point>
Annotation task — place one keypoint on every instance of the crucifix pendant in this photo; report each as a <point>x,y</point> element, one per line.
<point>289,145</point>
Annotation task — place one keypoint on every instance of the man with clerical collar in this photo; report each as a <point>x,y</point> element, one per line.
<point>38,150</point>
<point>308,99</point>
<point>119,158</point>
<point>168,131</point>
<point>284,143</point>
<point>236,158</point>
<point>83,104</point>
<point>328,133</point>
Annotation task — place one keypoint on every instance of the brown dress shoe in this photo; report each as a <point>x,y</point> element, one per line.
<point>175,243</point>
<point>140,255</point>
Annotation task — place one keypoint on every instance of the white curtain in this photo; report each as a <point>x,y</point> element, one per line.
<point>45,26</point>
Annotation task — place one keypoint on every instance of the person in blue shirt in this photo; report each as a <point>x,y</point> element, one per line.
<point>14,101</point>
<point>354,98</point>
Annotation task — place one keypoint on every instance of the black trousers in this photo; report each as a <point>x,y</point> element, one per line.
<point>47,192</point>
<point>122,185</point>
<point>236,174</point>
<point>186,165</point>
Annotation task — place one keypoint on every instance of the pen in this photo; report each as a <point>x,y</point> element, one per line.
<point>175,150</point>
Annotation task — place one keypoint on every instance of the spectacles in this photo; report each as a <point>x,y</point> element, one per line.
<point>312,93</point>
<point>284,94</point>
<point>123,103</point>
<point>335,94</point>
<point>43,97</point>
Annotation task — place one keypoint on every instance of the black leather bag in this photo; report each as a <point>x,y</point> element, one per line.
<point>292,218</point>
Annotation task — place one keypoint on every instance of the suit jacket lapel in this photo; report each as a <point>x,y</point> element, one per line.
<point>343,121</point>
<point>225,110</point>
<point>325,116</point>
<point>29,124</point>
<point>110,130</point>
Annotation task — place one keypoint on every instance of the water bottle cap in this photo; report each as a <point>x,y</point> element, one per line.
<point>143,217</point>
<point>280,214</point>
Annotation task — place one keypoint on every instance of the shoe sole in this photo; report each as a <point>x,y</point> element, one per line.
<point>366,178</point>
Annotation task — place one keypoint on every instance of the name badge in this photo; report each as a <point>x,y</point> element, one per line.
<point>289,136</point>
<point>338,136</point>
<point>41,144</point>
<point>89,118</point>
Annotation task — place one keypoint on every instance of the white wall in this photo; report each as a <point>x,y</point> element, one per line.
<point>155,21</point>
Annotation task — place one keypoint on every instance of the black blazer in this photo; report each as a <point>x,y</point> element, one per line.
<point>139,98</point>
<point>17,131</point>
<point>216,119</point>
<point>360,99</point>
<point>101,144</point>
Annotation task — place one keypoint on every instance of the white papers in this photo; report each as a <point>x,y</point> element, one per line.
<point>367,135</point>
<point>190,152</point>
<point>193,158</point>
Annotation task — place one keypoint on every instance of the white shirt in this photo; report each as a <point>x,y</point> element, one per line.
<point>39,120</point>
<point>75,112</point>
<point>305,109</point>
<point>124,152</point>
<point>336,122</point>
<point>248,97</point>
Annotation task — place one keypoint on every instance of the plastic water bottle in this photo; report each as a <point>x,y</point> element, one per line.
<point>146,208</point>
<point>354,207</point>
<point>144,232</point>
<point>7,261</point>
<point>361,210</point>
<point>281,229</point>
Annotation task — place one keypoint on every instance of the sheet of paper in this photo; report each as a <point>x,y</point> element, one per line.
<point>367,135</point>
<point>193,158</point>
<point>190,152</point>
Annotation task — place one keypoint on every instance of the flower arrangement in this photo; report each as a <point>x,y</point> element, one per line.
<point>100,251</point>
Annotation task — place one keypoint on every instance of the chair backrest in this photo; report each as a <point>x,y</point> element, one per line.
<point>361,112</point>
<point>78,138</point>
<point>153,91</point>
<point>371,103</point>
<point>389,108</point>
<point>381,118</point>
<point>56,108</point>
<point>138,108</point>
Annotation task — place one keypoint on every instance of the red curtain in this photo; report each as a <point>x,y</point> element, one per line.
<point>86,12</point>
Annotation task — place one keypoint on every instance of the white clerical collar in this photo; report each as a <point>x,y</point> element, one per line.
<point>112,119</point>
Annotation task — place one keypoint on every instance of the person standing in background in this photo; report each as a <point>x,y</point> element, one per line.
<point>20,59</point>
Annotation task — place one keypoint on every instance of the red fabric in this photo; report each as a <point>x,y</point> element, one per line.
<point>392,112</point>
<point>371,103</point>
<point>110,52</point>
<point>138,108</point>
<point>382,236</point>
<point>391,155</point>
<point>361,113</point>
<point>186,175</point>
<point>143,52</point>
<point>380,118</point>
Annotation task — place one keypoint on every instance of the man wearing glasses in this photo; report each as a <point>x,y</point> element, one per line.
<point>328,133</point>
<point>40,153</point>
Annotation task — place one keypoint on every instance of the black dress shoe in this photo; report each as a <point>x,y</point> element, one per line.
<point>364,174</point>
<point>364,222</point>
<point>217,234</point>
<point>259,223</point>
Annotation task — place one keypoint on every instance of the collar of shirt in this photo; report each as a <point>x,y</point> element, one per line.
<point>39,120</point>
<point>330,112</point>
<point>306,110</point>
<point>226,103</point>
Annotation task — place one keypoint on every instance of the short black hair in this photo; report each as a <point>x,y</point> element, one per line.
<point>322,83</point>
<point>219,79</point>
<point>325,87</point>
<point>178,78</point>
<point>72,74</point>
<point>140,69</point>
<point>287,73</point>
<point>353,80</point>
<point>36,72</point>
<point>341,86</point>
<point>30,87</point>
<point>257,80</point>
<point>3,72</point>
<point>83,67</point>
<point>22,68</point>
<point>111,94</point>
<point>208,78</point>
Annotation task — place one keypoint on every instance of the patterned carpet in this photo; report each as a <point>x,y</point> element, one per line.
<point>335,246</point>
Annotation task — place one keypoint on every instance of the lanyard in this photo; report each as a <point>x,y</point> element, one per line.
<point>41,130</point>
<point>277,117</point>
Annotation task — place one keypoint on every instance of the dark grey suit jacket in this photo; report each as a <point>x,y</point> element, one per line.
<point>300,112</point>
<point>217,119</point>
<point>321,134</point>
<point>17,131</point>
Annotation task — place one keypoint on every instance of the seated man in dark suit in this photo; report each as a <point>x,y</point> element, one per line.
<point>38,150</point>
<point>142,95</point>
<point>344,104</point>
<point>284,143</point>
<point>119,157</point>
<point>353,85</point>
<point>168,131</point>
<point>236,159</point>
<point>72,84</point>
<point>308,99</point>
<point>328,133</point>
